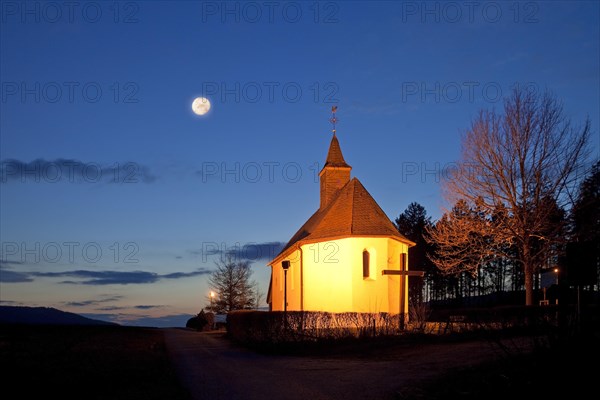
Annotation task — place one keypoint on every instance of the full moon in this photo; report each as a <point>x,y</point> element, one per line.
<point>201,105</point>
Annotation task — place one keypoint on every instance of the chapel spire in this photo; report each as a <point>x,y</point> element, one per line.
<point>336,172</point>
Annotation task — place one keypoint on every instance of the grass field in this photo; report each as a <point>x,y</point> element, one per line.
<point>99,362</point>
<point>562,371</point>
<point>78,362</point>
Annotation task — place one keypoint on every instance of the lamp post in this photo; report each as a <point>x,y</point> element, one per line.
<point>212,296</point>
<point>556,272</point>
<point>285,265</point>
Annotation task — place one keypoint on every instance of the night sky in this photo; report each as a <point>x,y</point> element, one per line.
<point>116,199</point>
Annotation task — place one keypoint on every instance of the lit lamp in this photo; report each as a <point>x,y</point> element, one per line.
<point>556,271</point>
<point>285,265</point>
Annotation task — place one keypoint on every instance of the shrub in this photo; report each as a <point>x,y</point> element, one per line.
<point>200,321</point>
<point>259,327</point>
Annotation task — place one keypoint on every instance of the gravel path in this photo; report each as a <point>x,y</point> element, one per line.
<point>213,368</point>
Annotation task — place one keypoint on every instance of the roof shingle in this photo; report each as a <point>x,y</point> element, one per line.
<point>352,212</point>
<point>334,155</point>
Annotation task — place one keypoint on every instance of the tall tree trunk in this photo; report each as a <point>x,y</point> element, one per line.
<point>528,272</point>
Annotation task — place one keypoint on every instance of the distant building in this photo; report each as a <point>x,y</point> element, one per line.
<point>337,258</point>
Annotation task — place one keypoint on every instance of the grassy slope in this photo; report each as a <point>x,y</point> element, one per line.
<point>87,362</point>
<point>566,371</point>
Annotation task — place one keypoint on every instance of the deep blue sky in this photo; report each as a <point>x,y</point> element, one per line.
<point>104,90</point>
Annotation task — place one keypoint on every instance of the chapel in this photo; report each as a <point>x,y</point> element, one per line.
<point>347,257</point>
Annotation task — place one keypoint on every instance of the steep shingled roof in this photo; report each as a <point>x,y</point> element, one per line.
<point>334,155</point>
<point>352,212</point>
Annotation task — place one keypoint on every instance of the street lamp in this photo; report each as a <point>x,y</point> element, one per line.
<point>285,265</point>
<point>556,272</point>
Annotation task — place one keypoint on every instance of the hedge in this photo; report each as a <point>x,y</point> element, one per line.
<point>259,327</point>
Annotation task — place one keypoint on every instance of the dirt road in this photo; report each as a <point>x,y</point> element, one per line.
<point>212,368</point>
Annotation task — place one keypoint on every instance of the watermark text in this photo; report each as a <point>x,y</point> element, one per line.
<point>70,252</point>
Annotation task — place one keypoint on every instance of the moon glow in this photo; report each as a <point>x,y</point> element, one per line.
<point>201,105</point>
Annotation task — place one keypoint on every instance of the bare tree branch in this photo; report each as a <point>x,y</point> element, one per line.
<point>518,169</point>
<point>235,291</point>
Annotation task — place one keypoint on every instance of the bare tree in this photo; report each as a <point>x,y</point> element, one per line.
<point>462,238</point>
<point>516,169</point>
<point>234,290</point>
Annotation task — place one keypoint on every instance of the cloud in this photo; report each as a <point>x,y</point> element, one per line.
<point>10,303</point>
<point>73,171</point>
<point>134,315</point>
<point>87,277</point>
<point>138,307</point>
<point>8,276</point>
<point>84,303</point>
<point>93,302</point>
<point>177,320</point>
<point>13,277</point>
<point>147,307</point>
<point>8,263</point>
<point>178,275</point>
<point>103,277</point>
<point>110,308</point>
<point>248,252</point>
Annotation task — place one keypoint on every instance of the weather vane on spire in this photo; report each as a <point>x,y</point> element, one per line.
<point>333,118</point>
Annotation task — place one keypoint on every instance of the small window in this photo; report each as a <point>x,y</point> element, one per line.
<point>366,260</point>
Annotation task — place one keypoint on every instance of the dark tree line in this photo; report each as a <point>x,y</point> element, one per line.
<point>582,261</point>
<point>576,255</point>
